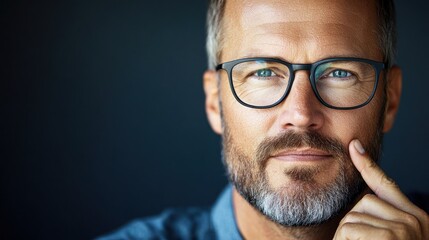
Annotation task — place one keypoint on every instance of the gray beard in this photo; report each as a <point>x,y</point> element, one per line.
<point>303,205</point>
<point>306,202</point>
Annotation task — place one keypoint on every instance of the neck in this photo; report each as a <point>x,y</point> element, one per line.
<point>253,225</point>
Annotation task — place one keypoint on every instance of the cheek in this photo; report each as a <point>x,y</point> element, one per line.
<point>341,126</point>
<point>247,126</point>
<point>347,125</point>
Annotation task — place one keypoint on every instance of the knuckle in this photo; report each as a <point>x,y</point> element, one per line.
<point>371,166</point>
<point>385,180</point>
<point>402,231</point>
<point>385,183</point>
<point>386,234</point>
<point>425,217</point>
<point>347,227</point>
<point>411,220</point>
<point>422,220</point>
<point>425,225</point>
<point>350,217</point>
<point>408,229</point>
<point>367,199</point>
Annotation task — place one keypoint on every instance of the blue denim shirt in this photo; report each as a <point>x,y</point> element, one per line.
<point>217,222</point>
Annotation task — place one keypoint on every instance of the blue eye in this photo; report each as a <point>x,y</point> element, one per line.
<point>339,74</point>
<point>264,73</point>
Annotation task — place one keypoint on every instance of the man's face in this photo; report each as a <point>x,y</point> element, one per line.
<point>290,161</point>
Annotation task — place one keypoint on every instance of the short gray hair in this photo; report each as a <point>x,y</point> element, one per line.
<point>214,32</point>
<point>386,31</point>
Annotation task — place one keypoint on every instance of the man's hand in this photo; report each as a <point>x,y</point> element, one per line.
<point>386,214</point>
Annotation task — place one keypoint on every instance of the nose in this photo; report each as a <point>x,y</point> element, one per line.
<point>301,110</point>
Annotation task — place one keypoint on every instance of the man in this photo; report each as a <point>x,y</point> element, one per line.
<point>301,92</point>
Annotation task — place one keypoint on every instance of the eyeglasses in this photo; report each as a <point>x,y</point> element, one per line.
<point>338,83</point>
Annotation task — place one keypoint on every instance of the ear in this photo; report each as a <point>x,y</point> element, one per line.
<point>394,88</point>
<point>211,90</point>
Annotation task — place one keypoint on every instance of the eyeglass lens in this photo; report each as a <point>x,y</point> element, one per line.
<point>338,83</point>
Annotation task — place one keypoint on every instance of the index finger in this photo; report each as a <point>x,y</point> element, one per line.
<point>383,186</point>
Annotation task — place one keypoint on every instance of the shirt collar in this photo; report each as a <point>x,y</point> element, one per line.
<point>223,217</point>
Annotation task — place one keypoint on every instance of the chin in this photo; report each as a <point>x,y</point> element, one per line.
<point>302,200</point>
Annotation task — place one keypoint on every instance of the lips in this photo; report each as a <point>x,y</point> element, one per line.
<point>303,154</point>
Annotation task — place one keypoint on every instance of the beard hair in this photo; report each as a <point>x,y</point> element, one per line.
<point>306,202</point>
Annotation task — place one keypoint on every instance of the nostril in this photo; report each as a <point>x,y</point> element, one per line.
<point>313,126</point>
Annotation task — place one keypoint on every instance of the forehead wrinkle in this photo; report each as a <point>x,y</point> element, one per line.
<point>265,13</point>
<point>286,41</point>
<point>302,11</point>
<point>299,30</point>
<point>301,27</point>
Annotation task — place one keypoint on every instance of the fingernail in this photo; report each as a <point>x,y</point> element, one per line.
<point>359,147</point>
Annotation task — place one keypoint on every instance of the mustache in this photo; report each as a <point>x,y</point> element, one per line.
<point>291,139</point>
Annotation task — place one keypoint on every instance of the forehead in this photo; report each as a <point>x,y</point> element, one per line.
<point>300,30</point>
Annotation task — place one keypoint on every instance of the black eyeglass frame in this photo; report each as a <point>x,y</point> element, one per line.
<point>228,66</point>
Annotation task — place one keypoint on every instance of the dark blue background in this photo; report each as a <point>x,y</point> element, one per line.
<point>102,114</point>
